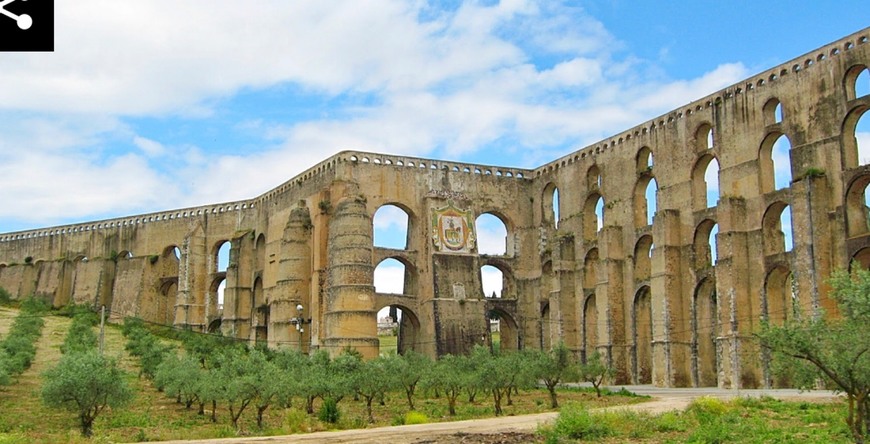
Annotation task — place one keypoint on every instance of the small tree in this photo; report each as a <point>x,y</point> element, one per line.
<point>834,351</point>
<point>85,383</point>
<point>408,369</point>
<point>448,378</point>
<point>236,376</point>
<point>373,379</point>
<point>596,371</point>
<point>555,367</point>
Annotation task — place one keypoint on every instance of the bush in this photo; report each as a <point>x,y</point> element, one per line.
<point>707,408</point>
<point>575,422</point>
<point>329,412</point>
<point>413,417</point>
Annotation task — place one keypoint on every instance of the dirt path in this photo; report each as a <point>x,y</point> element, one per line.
<point>510,429</point>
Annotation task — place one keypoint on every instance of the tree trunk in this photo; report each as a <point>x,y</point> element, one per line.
<point>309,405</point>
<point>369,400</point>
<point>410,395</point>
<point>554,404</point>
<point>87,424</point>
<point>260,411</point>
<point>451,405</point>
<point>496,398</point>
<point>214,411</point>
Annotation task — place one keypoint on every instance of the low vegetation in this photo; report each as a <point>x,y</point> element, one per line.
<point>706,420</point>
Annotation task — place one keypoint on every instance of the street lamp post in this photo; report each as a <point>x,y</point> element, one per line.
<point>299,322</point>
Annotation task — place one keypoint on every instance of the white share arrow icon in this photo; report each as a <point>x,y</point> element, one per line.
<point>24,21</point>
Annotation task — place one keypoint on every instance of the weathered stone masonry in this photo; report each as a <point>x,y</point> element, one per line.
<point>649,297</point>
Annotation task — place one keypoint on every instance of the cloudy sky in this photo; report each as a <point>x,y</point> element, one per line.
<point>148,105</point>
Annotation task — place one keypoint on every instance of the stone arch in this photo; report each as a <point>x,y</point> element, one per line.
<point>779,300</point>
<point>705,182</point>
<point>217,284</point>
<point>773,231</point>
<point>772,111</point>
<point>856,137</point>
<point>494,234</point>
<point>407,329</point>
<point>125,255</point>
<point>705,329</point>
<point>508,330</point>
<point>862,258</point>
<point>590,326</point>
<point>644,160</point>
<point>703,137</point>
<point>593,178</point>
<point>220,264</point>
<point>395,275</point>
<point>508,285</point>
<point>774,159</point>
<point>641,321</point>
<point>392,225</point>
<point>645,200</point>
<point>261,252</point>
<point>857,82</point>
<point>857,210</point>
<point>704,244</point>
<point>551,205</point>
<point>642,258</point>
<point>593,216</point>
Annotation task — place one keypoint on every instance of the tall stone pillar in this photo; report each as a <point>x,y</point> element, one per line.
<point>739,308</point>
<point>350,316</point>
<point>190,308</point>
<point>565,301</point>
<point>238,294</point>
<point>610,300</point>
<point>294,285</point>
<point>666,296</point>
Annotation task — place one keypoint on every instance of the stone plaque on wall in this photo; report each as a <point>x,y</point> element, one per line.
<point>452,229</point>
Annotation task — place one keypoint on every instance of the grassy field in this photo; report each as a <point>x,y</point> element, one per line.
<point>707,420</point>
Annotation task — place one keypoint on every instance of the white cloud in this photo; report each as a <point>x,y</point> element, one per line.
<point>390,277</point>
<point>449,86</point>
<point>491,280</point>
<point>149,147</point>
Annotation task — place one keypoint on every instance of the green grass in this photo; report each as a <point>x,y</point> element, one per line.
<point>707,420</point>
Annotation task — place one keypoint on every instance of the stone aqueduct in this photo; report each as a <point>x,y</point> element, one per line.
<point>652,296</point>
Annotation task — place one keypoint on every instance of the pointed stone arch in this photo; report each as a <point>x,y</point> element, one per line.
<point>705,330</point>
<point>775,238</point>
<point>642,328</point>
<point>774,160</point>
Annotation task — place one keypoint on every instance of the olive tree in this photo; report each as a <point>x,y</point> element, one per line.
<point>85,383</point>
<point>835,351</point>
<point>555,367</point>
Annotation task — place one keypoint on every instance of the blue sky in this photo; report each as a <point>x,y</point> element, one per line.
<point>148,105</point>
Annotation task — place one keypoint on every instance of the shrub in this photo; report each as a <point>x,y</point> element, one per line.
<point>575,422</point>
<point>329,412</point>
<point>707,408</point>
<point>413,417</point>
